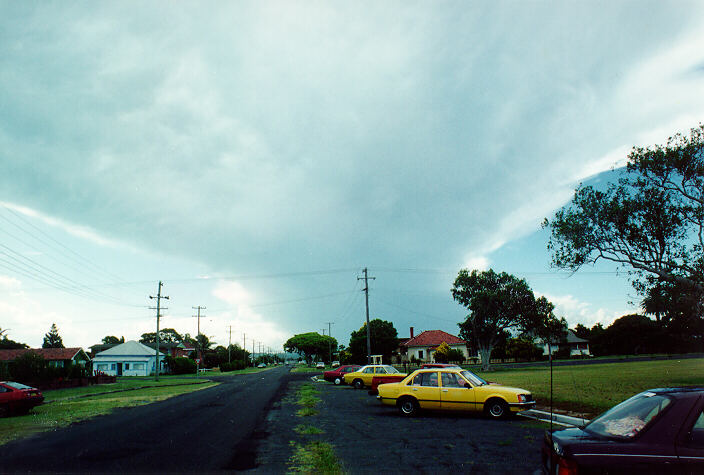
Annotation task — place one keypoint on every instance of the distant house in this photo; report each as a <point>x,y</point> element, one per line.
<point>57,357</point>
<point>172,349</point>
<point>423,346</point>
<point>577,346</point>
<point>128,359</point>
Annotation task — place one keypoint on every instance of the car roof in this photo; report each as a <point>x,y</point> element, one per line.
<point>676,390</point>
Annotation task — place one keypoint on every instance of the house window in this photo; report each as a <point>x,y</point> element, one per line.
<point>113,366</point>
<point>138,366</point>
<point>420,354</point>
<point>127,366</point>
<point>101,367</point>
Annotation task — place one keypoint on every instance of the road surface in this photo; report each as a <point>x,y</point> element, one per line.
<point>203,431</point>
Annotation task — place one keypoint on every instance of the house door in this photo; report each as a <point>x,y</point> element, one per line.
<point>119,369</point>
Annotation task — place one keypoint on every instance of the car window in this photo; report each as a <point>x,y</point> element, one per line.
<point>391,369</point>
<point>430,379</point>
<point>451,380</point>
<point>696,437</point>
<point>369,370</point>
<point>381,370</point>
<point>18,385</point>
<point>3,389</point>
<point>627,419</point>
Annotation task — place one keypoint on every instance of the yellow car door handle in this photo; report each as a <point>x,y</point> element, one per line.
<point>444,390</point>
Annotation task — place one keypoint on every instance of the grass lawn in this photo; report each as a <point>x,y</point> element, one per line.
<point>65,406</point>
<point>595,388</point>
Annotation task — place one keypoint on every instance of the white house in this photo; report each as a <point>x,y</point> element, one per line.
<point>128,359</point>
<point>578,346</point>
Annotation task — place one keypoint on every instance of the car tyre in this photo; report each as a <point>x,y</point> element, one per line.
<point>337,381</point>
<point>358,384</point>
<point>408,407</point>
<point>496,409</point>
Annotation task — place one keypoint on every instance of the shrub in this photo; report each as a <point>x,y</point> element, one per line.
<point>28,367</point>
<point>181,365</point>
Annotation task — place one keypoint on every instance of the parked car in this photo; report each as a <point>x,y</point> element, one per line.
<point>335,364</point>
<point>261,365</point>
<point>364,375</point>
<point>656,431</point>
<point>320,364</point>
<point>336,375</point>
<point>18,398</point>
<point>439,365</point>
<point>453,389</point>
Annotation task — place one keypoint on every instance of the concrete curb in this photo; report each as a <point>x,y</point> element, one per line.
<point>567,421</point>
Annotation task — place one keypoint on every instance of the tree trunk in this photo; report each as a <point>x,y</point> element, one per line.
<point>485,353</point>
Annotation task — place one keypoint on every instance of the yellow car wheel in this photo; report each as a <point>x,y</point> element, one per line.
<point>408,406</point>
<point>358,384</point>
<point>496,408</point>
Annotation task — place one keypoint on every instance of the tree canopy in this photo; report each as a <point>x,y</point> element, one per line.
<point>310,344</point>
<point>650,220</point>
<point>498,302</point>
<point>383,338</point>
<point>113,340</point>
<point>166,335</point>
<point>53,339</point>
<point>7,344</point>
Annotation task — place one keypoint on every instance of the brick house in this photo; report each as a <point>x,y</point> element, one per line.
<point>56,357</point>
<point>423,345</point>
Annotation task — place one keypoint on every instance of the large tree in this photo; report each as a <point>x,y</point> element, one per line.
<point>497,302</point>
<point>113,340</point>
<point>650,220</point>
<point>310,344</point>
<point>7,344</point>
<point>166,335</point>
<point>383,338</point>
<point>53,339</point>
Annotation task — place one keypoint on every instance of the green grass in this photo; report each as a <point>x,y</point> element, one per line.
<point>122,384</point>
<point>314,457</point>
<point>308,369</point>
<point>304,429</point>
<point>67,408</point>
<point>595,388</point>
<point>307,398</point>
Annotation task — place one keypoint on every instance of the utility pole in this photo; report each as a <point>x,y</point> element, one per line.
<point>252,351</point>
<point>330,340</point>
<point>158,309</point>
<point>244,348</point>
<point>366,294</point>
<point>229,344</point>
<point>200,352</point>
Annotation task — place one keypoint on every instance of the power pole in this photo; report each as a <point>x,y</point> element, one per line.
<point>200,352</point>
<point>330,340</point>
<point>244,348</point>
<point>229,344</point>
<point>366,294</point>
<point>252,351</point>
<point>158,309</point>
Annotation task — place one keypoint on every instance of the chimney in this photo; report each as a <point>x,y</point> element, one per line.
<point>411,332</point>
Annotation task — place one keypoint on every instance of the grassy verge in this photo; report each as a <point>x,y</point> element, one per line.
<point>595,388</point>
<point>311,456</point>
<point>308,369</point>
<point>122,384</point>
<point>66,408</point>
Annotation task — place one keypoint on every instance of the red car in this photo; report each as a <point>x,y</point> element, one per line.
<point>335,376</point>
<point>18,398</point>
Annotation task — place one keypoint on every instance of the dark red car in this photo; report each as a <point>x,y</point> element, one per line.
<point>657,431</point>
<point>18,398</point>
<point>335,376</point>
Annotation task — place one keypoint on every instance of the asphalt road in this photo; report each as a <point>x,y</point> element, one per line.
<point>369,438</point>
<point>203,431</point>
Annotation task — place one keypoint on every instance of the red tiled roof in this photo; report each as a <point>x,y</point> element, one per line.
<point>434,338</point>
<point>50,354</point>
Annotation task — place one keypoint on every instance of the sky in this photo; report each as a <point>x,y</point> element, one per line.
<point>256,156</point>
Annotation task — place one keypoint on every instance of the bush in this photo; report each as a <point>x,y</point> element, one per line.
<point>27,368</point>
<point>234,366</point>
<point>180,365</point>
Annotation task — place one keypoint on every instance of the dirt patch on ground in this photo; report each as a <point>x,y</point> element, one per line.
<point>369,437</point>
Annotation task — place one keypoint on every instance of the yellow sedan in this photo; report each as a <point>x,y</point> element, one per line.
<point>453,389</point>
<point>364,375</point>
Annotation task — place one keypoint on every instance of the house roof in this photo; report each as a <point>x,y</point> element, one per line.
<point>434,338</point>
<point>49,354</point>
<point>573,338</point>
<point>129,348</point>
